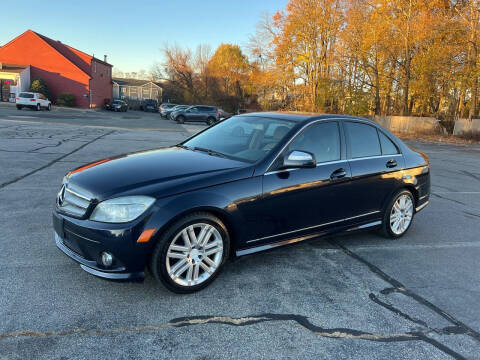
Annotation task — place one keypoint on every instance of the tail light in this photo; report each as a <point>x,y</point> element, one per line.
<point>17,98</point>
<point>33,99</point>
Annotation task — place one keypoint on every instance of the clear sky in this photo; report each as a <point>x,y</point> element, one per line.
<point>132,32</point>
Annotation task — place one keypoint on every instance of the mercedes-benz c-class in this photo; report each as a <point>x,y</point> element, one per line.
<point>250,183</point>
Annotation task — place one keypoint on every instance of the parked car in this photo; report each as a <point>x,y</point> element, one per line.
<point>168,112</point>
<point>164,107</point>
<point>247,184</point>
<point>33,100</point>
<point>197,113</point>
<point>117,105</point>
<point>149,105</point>
<point>222,114</point>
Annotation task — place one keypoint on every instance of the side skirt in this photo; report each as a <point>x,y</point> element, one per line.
<point>294,240</point>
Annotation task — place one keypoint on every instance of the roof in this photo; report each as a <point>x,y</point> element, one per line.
<point>134,82</point>
<point>299,116</point>
<point>78,58</point>
<point>12,68</point>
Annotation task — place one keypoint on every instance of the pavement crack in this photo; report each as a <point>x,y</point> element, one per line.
<point>398,312</point>
<point>302,321</point>
<point>55,161</point>
<point>398,287</point>
<point>473,176</point>
<point>46,146</point>
<point>445,198</point>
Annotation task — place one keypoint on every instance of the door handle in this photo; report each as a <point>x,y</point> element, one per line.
<point>338,174</point>
<point>391,163</point>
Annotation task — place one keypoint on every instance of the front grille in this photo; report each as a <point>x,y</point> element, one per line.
<point>74,200</point>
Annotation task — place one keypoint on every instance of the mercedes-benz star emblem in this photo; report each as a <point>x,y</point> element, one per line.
<point>61,195</point>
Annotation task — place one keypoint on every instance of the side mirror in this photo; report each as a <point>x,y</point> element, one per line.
<point>299,159</point>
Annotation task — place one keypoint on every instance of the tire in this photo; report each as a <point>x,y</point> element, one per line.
<point>180,119</point>
<point>49,107</point>
<point>39,108</point>
<point>406,210</point>
<point>210,121</point>
<point>19,107</point>
<point>189,266</point>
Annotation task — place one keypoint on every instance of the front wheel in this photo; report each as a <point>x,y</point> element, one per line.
<point>180,119</point>
<point>210,121</point>
<point>49,107</point>
<point>399,214</point>
<point>191,253</point>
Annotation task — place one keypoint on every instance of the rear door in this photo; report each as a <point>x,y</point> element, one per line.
<point>42,100</point>
<point>376,164</point>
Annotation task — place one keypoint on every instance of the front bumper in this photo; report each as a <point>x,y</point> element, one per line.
<point>84,243</point>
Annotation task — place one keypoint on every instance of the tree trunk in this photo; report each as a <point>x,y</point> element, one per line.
<point>405,107</point>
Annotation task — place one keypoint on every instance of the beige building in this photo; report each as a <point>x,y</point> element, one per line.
<point>13,80</point>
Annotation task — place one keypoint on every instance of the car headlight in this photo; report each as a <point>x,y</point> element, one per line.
<point>122,209</point>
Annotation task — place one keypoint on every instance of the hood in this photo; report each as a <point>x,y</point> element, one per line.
<point>158,172</point>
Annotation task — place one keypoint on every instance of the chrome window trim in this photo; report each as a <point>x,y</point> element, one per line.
<point>292,169</point>
<point>373,157</point>
<point>314,226</point>
<point>338,120</point>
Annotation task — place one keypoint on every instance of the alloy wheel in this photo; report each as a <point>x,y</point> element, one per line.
<point>401,214</point>
<point>194,255</point>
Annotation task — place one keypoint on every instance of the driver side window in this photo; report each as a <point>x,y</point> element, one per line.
<point>320,139</point>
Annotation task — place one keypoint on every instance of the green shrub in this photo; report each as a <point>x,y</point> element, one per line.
<point>39,85</point>
<point>66,99</point>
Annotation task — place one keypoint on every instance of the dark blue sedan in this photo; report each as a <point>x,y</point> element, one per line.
<point>249,183</point>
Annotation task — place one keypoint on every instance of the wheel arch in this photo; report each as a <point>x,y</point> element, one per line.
<point>409,187</point>
<point>220,213</point>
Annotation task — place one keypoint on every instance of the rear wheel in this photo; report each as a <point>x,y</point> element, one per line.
<point>180,119</point>
<point>49,107</point>
<point>19,107</point>
<point>39,107</point>
<point>191,253</point>
<point>399,214</point>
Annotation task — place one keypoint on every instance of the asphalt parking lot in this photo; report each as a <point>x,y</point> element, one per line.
<point>352,297</point>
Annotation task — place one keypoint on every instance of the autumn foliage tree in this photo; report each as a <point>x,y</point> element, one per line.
<point>383,57</point>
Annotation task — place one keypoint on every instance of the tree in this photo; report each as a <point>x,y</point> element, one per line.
<point>231,66</point>
<point>39,85</point>
<point>305,44</point>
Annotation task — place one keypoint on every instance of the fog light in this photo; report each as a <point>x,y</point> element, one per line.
<point>107,259</point>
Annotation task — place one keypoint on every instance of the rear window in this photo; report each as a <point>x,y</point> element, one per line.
<point>363,140</point>
<point>388,147</point>
<point>206,108</point>
<point>26,95</point>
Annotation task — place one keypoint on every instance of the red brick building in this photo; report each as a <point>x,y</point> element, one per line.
<point>64,68</point>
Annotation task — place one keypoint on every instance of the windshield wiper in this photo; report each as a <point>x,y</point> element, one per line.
<point>210,152</point>
<point>183,146</point>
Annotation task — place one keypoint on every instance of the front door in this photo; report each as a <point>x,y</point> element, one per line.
<point>306,200</point>
<point>193,114</point>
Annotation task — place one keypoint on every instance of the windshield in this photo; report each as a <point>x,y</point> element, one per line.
<point>244,138</point>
